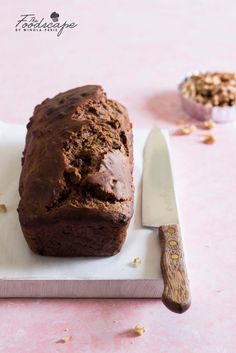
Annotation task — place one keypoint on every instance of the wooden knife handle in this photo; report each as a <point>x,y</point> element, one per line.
<point>176,295</point>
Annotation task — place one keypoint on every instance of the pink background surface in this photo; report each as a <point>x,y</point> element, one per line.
<point>139,51</point>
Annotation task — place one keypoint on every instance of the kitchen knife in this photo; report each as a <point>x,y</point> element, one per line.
<point>159,210</point>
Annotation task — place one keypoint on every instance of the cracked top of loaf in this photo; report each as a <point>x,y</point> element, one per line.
<point>78,159</point>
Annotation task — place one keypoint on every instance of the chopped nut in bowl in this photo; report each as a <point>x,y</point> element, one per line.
<point>209,95</point>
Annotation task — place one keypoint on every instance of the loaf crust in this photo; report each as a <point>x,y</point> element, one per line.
<point>76,183</point>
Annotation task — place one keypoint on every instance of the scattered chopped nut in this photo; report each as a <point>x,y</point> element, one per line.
<point>209,124</point>
<point>209,139</point>
<point>187,130</point>
<point>64,339</point>
<point>211,88</point>
<point>136,262</point>
<point>139,329</point>
<point>182,120</point>
<point>3,208</point>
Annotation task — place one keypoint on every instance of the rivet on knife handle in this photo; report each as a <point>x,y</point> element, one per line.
<point>176,295</point>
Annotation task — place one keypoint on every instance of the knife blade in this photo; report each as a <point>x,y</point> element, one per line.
<point>159,210</point>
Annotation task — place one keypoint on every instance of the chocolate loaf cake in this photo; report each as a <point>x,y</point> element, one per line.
<point>76,183</point>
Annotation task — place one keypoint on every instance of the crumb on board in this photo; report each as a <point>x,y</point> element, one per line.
<point>208,125</point>
<point>64,339</point>
<point>139,330</point>
<point>3,208</point>
<point>209,139</point>
<point>137,261</point>
<point>186,130</point>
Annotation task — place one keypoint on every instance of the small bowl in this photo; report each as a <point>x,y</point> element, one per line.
<point>202,112</point>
